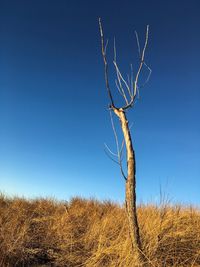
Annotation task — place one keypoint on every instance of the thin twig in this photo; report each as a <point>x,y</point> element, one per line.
<point>141,61</point>
<point>138,43</point>
<point>103,50</point>
<point>131,81</point>
<point>118,87</point>
<point>135,86</point>
<point>110,151</point>
<point>115,161</point>
<point>121,77</point>
<point>117,144</point>
<point>148,76</point>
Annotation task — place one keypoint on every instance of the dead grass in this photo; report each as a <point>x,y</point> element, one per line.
<point>44,232</point>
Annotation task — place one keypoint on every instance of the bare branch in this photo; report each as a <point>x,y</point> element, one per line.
<point>117,162</point>
<point>107,153</point>
<point>110,151</point>
<point>138,44</point>
<point>118,87</point>
<point>119,82</point>
<point>148,76</point>
<point>106,45</point>
<point>128,80</point>
<point>114,131</point>
<point>131,90</point>
<point>117,144</point>
<point>121,78</point>
<point>131,81</point>
<point>103,50</point>
<point>142,63</point>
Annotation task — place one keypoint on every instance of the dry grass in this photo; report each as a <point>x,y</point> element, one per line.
<point>44,232</point>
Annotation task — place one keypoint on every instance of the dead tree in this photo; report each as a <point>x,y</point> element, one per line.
<point>129,91</point>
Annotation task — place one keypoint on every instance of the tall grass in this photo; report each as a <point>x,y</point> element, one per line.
<point>44,232</point>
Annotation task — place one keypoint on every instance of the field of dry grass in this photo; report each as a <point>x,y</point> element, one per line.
<point>44,232</point>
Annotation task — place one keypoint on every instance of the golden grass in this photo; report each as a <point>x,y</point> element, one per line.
<point>45,232</point>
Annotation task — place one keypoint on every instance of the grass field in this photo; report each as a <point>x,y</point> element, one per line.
<point>81,232</point>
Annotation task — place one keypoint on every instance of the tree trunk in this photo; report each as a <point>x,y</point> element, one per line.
<point>131,209</point>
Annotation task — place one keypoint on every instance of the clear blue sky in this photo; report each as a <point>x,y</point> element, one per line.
<point>53,102</point>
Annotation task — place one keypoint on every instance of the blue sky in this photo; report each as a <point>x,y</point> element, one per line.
<point>53,102</point>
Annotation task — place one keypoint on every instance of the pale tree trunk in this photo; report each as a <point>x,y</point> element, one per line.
<point>131,208</point>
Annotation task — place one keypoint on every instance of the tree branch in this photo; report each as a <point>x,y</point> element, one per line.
<point>142,63</point>
<point>119,151</point>
<point>103,50</point>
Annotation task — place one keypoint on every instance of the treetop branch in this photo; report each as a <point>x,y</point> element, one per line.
<point>103,49</point>
<point>128,89</point>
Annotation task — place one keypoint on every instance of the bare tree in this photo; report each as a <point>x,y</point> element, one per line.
<point>129,90</point>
